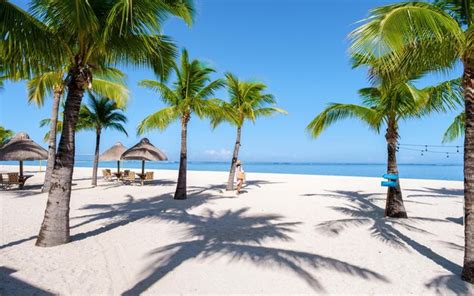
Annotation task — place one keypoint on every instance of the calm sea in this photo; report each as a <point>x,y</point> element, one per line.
<point>414,171</point>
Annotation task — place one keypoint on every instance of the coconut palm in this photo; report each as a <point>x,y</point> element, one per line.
<point>437,36</point>
<point>88,35</point>
<point>390,100</point>
<point>455,129</point>
<point>108,82</point>
<point>100,114</point>
<point>5,135</point>
<point>190,94</point>
<point>248,101</point>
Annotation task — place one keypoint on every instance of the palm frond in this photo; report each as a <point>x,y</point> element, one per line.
<point>455,129</point>
<point>336,112</point>
<point>158,120</point>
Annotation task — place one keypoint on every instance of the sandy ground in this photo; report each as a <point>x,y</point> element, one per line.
<point>286,234</point>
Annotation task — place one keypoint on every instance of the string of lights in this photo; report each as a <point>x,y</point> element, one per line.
<point>427,149</point>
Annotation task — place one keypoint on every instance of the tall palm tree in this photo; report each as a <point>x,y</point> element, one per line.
<point>102,114</point>
<point>437,36</point>
<point>108,82</point>
<point>5,135</point>
<point>393,98</point>
<point>190,94</point>
<point>247,102</point>
<point>86,35</point>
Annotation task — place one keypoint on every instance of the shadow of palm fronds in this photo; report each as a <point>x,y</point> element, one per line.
<point>238,236</point>
<point>364,212</point>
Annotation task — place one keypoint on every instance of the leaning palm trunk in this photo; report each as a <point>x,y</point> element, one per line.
<point>181,187</point>
<point>96,157</point>
<point>235,156</point>
<point>468,85</point>
<point>58,92</point>
<point>55,227</point>
<point>394,205</point>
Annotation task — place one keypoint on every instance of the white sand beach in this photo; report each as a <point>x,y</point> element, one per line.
<point>286,234</point>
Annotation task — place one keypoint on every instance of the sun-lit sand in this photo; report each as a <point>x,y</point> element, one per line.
<point>284,234</point>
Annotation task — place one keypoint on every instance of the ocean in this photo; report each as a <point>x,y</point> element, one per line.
<point>412,171</point>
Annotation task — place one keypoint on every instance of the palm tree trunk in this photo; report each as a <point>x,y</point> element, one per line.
<point>96,157</point>
<point>55,227</point>
<point>468,85</point>
<point>58,92</point>
<point>235,156</point>
<point>181,186</point>
<point>394,205</point>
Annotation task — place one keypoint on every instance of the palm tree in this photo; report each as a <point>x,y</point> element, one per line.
<point>5,135</point>
<point>435,35</point>
<point>108,82</point>
<point>392,99</point>
<point>247,102</point>
<point>190,94</point>
<point>102,114</point>
<point>455,129</point>
<point>84,35</point>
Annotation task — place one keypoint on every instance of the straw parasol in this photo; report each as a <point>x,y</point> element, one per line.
<point>22,148</point>
<point>144,151</point>
<point>114,153</point>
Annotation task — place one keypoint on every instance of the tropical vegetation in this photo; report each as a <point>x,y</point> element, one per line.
<point>248,101</point>
<point>108,82</point>
<point>436,36</point>
<point>5,135</point>
<point>82,35</point>
<point>191,93</point>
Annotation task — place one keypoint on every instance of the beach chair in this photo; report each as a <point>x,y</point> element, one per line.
<point>13,179</point>
<point>148,177</point>
<point>107,174</point>
<point>129,178</point>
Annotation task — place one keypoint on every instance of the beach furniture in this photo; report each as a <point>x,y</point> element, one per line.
<point>392,180</point>
<point>113,154</point>
<point>13,179</point>
<point>144,151</point>
<point>22,148</point>
<point>129,178</point>
<point>148,176</point>
<point>107,174</point>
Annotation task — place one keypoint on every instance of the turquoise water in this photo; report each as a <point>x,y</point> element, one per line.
<point>414,171</point>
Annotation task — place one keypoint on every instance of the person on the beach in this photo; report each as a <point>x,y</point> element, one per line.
<point>240,176</point>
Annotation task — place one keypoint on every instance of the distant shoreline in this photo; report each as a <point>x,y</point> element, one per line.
<point>407,171</point>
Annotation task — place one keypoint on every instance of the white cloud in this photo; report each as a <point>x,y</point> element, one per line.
<point>218,154</point>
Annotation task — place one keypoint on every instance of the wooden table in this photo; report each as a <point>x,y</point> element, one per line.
<point>119,175</point>
<point>142,178</point>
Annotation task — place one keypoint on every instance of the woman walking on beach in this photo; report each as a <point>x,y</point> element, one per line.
<point>240,176</point>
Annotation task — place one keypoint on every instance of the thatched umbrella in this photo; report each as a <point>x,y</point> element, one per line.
<point>143,151</point>
<point>22,148</point>
<point>114,153</point>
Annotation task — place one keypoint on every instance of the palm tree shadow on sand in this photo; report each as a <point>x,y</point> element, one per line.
<point>362,211</point>
<point>239,236</point>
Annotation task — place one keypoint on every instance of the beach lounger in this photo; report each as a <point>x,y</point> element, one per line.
<point>107,174</point>
<point>13,179</point>
<point>129,178</point>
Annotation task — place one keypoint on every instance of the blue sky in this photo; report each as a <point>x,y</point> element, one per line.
<point>299,49</point>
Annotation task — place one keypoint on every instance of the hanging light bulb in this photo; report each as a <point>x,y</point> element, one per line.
<point>426,147</point>
<point>447,154</point>
<point>457,149</point>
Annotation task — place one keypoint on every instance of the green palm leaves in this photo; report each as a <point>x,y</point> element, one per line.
<point>248,101</point>
<point>5,135</point>
<point>191,93</point>
<point>102,113</point>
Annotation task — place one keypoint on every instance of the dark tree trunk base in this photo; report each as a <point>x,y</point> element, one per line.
<point>468,272</point>
<point>394,207</point>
